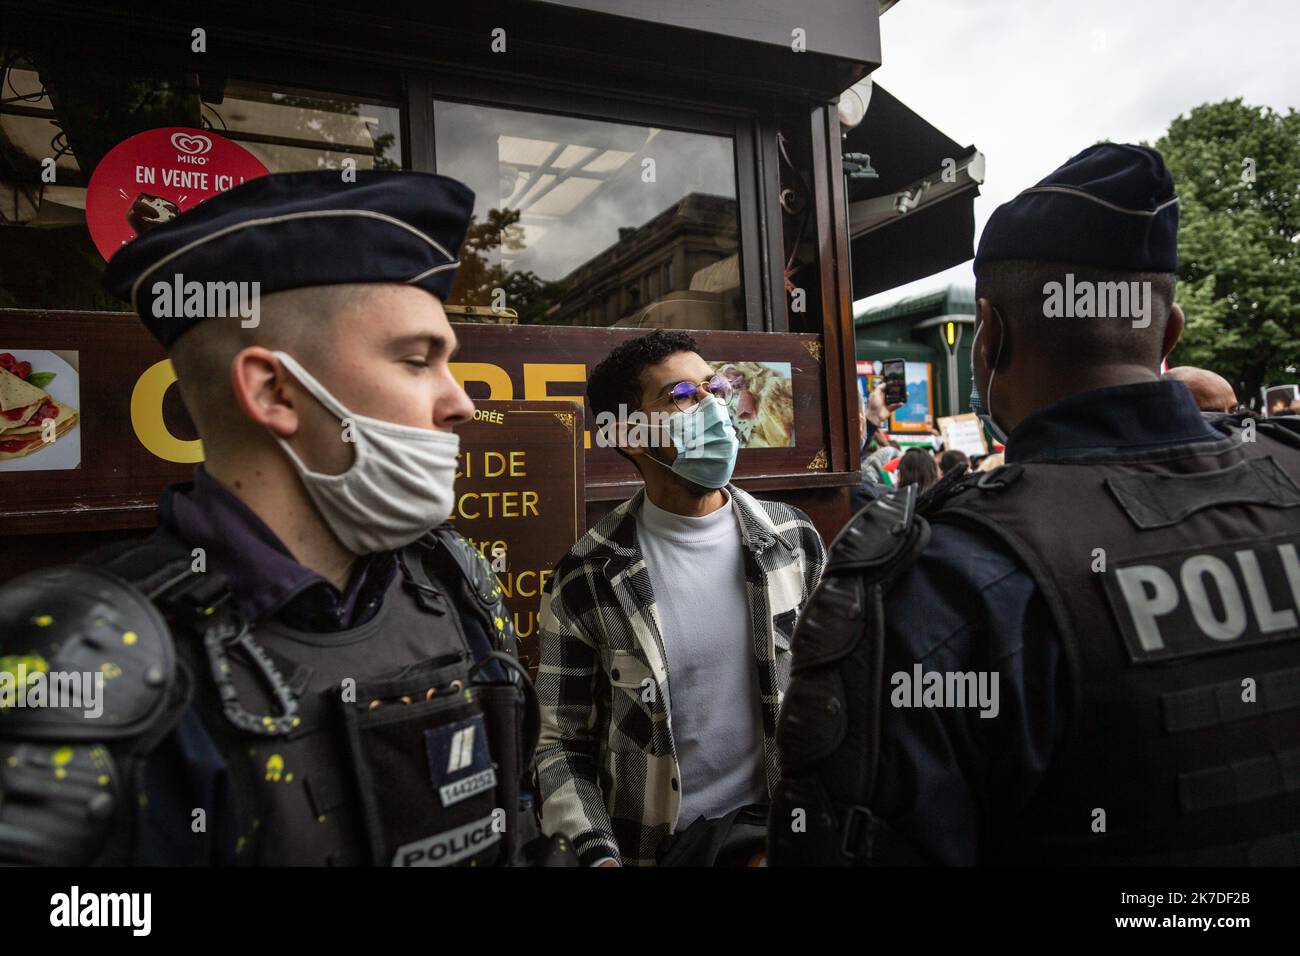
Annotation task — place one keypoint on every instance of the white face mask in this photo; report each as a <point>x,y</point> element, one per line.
<point>399,486</point>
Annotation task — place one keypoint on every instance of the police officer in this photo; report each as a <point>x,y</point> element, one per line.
<point>1090,653</point>
<point>303,664</point>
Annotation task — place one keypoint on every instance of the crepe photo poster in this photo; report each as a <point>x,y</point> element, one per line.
<point>40,394</point>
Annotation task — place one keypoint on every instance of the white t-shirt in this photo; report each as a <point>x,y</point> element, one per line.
<point>697,571</point>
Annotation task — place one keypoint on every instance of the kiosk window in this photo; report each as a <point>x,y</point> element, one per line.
<point>294,129</point>
<point>69,108</point>
<point>572,216</point>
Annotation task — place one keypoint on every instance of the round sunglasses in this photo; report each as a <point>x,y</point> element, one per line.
<point>686,395</point>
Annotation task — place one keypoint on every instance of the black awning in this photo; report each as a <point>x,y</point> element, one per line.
<point>937,230</point>
<point>917,245</point>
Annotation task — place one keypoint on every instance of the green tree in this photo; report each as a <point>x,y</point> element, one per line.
<point>1237,171</point>
<point>479,276</point>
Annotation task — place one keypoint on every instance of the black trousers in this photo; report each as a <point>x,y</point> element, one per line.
<point>731,840</point>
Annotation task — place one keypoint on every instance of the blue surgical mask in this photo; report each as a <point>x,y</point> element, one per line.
<point>706,444</point>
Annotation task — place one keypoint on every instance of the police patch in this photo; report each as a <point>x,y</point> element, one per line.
<point>452,846</point>
<point>460,765</point>
<point>1203,600</point>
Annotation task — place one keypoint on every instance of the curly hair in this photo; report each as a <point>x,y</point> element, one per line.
<point>617,379</point>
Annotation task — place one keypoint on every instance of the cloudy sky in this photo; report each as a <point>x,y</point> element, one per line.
<point>1031,82</point>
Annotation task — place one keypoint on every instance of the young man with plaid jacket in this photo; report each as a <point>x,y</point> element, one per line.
<point>665,632</point>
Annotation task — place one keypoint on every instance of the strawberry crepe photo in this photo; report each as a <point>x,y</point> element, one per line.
<point>25,407</point>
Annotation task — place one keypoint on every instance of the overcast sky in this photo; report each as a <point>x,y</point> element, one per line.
<point>1032,82</point>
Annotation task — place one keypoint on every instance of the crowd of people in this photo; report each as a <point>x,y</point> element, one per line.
<point>921,464</point>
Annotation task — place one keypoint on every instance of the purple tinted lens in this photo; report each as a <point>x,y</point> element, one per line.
<point>719,386</point>
<point>683,390</point>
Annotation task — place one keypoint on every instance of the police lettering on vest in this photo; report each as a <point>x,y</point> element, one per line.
<point>1207,599</point>
<point>444,849</point>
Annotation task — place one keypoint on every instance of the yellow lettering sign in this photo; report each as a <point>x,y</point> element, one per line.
<point>147,417</point>
<point>495,377</point>
<point>524,583</point>
<point>538,376</point>
<point>497,504</point>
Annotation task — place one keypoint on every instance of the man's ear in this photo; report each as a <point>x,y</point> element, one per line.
<point>992,336</point>
<point>259,382</point>
<point>631,437</point>
<point>620,434</point>
<point>1173,330</point>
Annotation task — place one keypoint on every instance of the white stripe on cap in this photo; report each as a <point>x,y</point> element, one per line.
<point>428,272</point>
<point>1072,191</point>
<point>310,214</point>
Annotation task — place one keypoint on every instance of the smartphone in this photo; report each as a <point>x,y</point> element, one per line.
<point>895,372</point>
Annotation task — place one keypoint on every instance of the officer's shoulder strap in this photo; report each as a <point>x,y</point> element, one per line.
<point>149,564</point>
<point>1285,428</point>
<point>167,571</point>
<point>447,556</point>
<point>1248,425</point>
<point>838,653</point>
<point>878,545</point>
<point>876,538</point>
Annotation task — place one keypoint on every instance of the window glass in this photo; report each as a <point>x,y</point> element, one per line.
<point>295,129</point>
<point>586,222</point>
<point>66,104</point>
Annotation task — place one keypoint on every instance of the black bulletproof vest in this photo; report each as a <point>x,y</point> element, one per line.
<point>393,743</point>
<point>1174,582</point>
<point>304,788</point>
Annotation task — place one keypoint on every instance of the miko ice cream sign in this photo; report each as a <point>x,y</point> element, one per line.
<point>154,176</point>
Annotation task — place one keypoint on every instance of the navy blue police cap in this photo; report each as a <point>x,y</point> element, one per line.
<point>1112,205</point>
<point>293,230</point>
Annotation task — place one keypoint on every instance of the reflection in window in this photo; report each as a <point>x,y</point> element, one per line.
<point>73,104</point>
<point>582,222</point>
<point>294,130</point>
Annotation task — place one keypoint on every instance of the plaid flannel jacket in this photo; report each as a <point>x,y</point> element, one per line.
<point>606,763</point>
